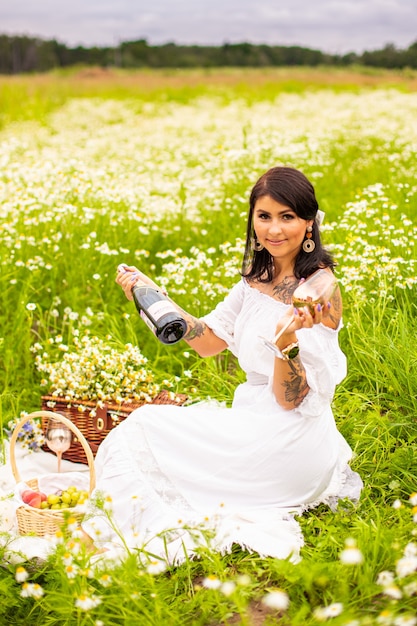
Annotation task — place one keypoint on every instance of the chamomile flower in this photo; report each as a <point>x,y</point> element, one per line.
<point>68,558</point>
<point>276,599</point>
<point>323,613</point>
<point>156,567</point>
<point>405,620</point>
<point>21,574</point>
<point>105,580</point>
<point>385,578</point>
<point>351,555</point>
<point>393,591</point>
<point>31,590</point>
<point>413,498</point>
<point>108,503</point>
<point>71,570</point>
<point>406,566</point>
<point>228,588</point>
<point>86,602</point>
<point>211,582</point>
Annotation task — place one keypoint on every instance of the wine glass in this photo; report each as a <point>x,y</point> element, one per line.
<point>316,289</point>
<point>58,438</point>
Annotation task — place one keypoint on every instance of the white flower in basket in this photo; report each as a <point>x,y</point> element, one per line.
<point>94,370</point>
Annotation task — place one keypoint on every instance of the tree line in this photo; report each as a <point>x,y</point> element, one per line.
<point>23,54</point>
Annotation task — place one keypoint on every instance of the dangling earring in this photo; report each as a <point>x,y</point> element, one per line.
<point>255,245</point>
<point>308,243</point>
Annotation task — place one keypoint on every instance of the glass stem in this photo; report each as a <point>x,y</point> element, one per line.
<point>278,335</point>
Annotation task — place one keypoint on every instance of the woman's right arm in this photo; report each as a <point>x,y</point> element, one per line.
<point>198,335</point>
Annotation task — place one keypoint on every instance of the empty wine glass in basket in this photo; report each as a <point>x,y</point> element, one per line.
<point>58,438</point>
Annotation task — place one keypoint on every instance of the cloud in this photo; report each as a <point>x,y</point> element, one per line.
<point>328,25</point>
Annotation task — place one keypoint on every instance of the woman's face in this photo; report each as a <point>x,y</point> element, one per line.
<point>278,228</point>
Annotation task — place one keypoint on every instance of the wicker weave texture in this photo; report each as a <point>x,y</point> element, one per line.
<point>96,421</point>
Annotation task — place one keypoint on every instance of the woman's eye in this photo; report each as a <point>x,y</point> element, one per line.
<point>288,216</point>
<point>263,216</point>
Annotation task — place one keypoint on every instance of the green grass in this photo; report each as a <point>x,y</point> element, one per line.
<point>154,168</point>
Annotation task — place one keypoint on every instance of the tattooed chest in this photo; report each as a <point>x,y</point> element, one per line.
<point>284,290</point>
<point>281,290</point>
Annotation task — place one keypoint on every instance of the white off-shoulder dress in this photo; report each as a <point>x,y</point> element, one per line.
<point>205,473</point>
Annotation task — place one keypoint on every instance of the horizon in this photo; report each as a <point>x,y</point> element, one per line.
<point>330,26</point>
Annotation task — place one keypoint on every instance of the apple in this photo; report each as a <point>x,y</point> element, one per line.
<point>33,498</point>
<point>27,494</point>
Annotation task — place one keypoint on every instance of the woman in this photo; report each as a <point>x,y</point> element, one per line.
<point>179,474</point>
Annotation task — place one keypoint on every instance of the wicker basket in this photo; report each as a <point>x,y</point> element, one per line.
<point>45,521</point>
<point>95,421</point>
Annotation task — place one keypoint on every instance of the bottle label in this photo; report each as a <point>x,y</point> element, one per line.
<point>160,308</point>
<point>147,321</point>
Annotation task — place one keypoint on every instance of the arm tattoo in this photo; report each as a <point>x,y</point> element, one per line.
<point>336,309</point>
<point>195,328</point>
<point>296,388</point>
<point>284,290</point>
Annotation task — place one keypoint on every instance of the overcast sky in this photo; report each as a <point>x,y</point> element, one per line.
<point>335,26</point>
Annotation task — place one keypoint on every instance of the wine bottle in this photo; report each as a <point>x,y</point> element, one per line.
<point>160,315</point>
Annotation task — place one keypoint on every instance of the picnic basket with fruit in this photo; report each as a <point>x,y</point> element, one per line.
<point>43,513</point>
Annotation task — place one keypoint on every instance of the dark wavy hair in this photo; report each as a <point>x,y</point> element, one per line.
<point>292,188</point>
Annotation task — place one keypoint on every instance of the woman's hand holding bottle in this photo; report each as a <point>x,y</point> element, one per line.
<point>128,276</point>
<point>159,313</point>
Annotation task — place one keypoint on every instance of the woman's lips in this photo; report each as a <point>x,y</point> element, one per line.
<point>276,243</point>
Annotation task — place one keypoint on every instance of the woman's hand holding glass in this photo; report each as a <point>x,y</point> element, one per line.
<point>294,319</point>
<point>297,318</point>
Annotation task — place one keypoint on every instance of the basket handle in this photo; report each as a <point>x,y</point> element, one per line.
<point>59,418</point>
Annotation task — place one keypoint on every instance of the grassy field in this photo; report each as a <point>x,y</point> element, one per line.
<point>154,169</point>
<point>26,97</point>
